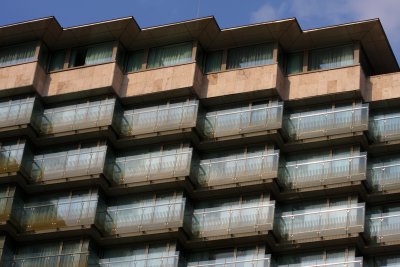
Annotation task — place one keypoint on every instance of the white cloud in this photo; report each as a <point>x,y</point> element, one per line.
<point>327,12</point>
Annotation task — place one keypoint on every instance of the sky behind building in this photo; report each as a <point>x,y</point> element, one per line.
<point>229,13</point>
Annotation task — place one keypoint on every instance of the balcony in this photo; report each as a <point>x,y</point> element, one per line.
<point>163,118</point>
<point>345,80</point>
<point>326,123</point>
<point>263,80</point>
<point>151,261</point>
<point>241,121</point>
<point>59,213</point>
<point>325,172</point>
<point>10,205</point>
<point>356,262</point>
<point>152,167</point>
<point>383,87</point>
<point>223,222</point>
<point>383,229</point>
<point>85,116</point>
<point>62,253</point>
<point>385,128</point>
<point>16,114</point>
<point>258,262</point>
<point>143,217</point>
<point>77,259</point>
<point>169,81</point>
<point>84,80</point>
<point>68,165</point>
<point>21,78</point>
<point>384,177</point>
<point>237,169</point>
<point>328,223</point>
<point>13,158</point>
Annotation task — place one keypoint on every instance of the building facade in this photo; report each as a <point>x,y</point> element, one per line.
<point>187,145</point>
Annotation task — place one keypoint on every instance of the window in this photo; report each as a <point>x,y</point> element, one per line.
<point>91,55</point>
<point>57,60</point>
<point>135,61</point>
<point>170,55</point>
<point>243,57</point>
<point>331,57</point>
<point>213,61</point>
<point>294,63</point>
<point>17,54</point>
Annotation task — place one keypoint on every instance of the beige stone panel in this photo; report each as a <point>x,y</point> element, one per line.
<point>324,82</point>
<point>239,81</point>
<point>80,79</point>
<point>158,80</point>
<point>383,87</point>
<point>17,76</point>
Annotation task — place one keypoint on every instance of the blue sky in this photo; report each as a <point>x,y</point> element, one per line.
<point>229,13</point>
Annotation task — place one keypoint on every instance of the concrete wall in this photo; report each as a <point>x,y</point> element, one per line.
<point>80,79</point>
<point>324,82</point>
<point>239,81</point>
<point>383,87</point>
<point>17,76</point>
<point>158,80</point>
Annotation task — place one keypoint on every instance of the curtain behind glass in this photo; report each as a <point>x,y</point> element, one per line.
<point>135,61</point>
<point>17,54</point>
<point>331,57</point>
<point>57,60</point>
<point>99,54</point>
<point>170,55</point>
<point>213,61</point>
<point>294,63</point>
<point>243,57</point>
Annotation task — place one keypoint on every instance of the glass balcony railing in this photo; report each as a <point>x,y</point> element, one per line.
<point>384,228</point>
<point>145,217</point>
<point>6,204</point>
<point>56,214</point>
<point>324,172</point>
<point>132,261</point>
<point>383,261</point>
<point>75,259</point>
<point>329,222</point>
<point>152,166</point>
<point>384,177</point>
<point>356,262</point>
<point>16,112</point>
<point>68,164</point>
<point>385,128</point>
<point>226,123</point>
<point>325,123</point>
<point>213,222</point>
<point>237,169</point>
<point>161,118</point>
<point>11,157</point>
<point>77,117</point>
<point>258,262</point>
